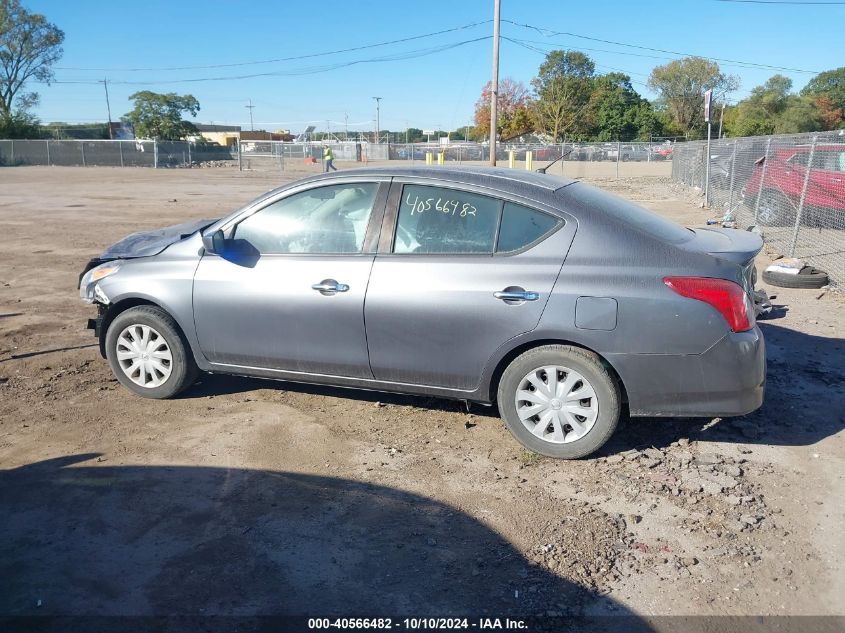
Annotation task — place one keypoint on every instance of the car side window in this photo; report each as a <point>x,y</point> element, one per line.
<point>331,220</point>
<point>437,220</point>
<point>522,226</point>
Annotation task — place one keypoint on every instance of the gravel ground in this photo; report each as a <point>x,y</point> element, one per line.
<point>247,496</point>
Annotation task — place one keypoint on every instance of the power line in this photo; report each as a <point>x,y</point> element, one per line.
<point>295,72</point>
<point>284,59</point>
<point>786,2</point>
<point>548,33</point>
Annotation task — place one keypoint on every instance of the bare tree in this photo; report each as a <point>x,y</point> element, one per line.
<point>29,46</point>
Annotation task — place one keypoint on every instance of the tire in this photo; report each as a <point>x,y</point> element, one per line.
<point>808,278</point>
<point>595,429</point>
<point>168,366</point>
<point>775,209</point>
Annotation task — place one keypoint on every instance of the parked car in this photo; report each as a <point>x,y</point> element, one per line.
<point>780,190</point>
<point>563,304</point>
<point>628,152</point>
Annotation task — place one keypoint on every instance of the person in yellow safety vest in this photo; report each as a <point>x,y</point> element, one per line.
<point>328,158</point>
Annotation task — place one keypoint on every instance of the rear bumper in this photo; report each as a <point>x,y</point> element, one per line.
<point>729,379</point>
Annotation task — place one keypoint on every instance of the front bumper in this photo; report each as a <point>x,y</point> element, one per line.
<point>729,379</point>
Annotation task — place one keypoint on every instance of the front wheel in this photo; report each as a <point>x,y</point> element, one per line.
<point>147,353</point>
<point>559,401</point>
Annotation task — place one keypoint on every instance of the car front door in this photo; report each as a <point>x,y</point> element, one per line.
<point>458,274</point>
<point>287,291</point>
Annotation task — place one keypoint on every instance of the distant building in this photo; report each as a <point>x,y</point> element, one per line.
<point>222,134</point>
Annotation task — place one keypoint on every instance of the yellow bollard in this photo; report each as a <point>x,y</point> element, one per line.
<point>441,158</point>
<point>529,160</point>
<point>511,159</point>
<point>428,158</point>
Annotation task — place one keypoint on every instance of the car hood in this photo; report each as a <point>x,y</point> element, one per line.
<point>147,243</point>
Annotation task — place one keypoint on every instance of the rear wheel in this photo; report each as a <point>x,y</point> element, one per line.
<point>147,354</point>
<point>559,401</point>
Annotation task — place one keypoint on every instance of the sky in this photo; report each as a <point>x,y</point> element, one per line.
<point>429,82</point>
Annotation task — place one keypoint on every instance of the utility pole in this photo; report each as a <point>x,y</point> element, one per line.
<point>108,105</point>
<point>345,126</point>
<point>494,84</point>
<point>250,107</point>
<point>378,113</point>
<point>721,118</point>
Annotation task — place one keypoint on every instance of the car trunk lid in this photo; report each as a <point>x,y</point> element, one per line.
<point>730,245</point>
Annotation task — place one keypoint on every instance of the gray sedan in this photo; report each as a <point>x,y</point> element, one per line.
<point>564,305</point>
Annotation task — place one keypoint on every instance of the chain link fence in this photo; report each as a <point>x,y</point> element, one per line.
<point>274,154</point>
<point>96,153</point>
<point>791,186</point>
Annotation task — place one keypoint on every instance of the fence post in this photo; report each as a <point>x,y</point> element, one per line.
<point>240,161</point>
<point>762,178</point>
<point>82,145</point>
<point>733,172</point>
<point>48,152</point>
<point>618,157</point>
<point>803,197</point>
<point>155,154</point>
<point>190,161</point>
<point>12,153</point>
<point>120,147</point>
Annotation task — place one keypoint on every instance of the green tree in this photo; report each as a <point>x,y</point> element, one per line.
<point>617,112</point>
<point>828,88</point>
<point>513,110</point>
<point>801,114</point>
<point>19,124</point>
<point>29,46</point>
<point>681,85</point>
<point>564,84</point>
<point>159,116</point>
<point>758,113</point>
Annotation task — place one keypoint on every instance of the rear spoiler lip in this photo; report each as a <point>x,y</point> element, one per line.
<point>745,245</point>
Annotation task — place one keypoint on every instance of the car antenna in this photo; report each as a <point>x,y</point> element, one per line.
<point>542,170</point>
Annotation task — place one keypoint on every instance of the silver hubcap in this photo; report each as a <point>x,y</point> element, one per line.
<point>557,404</point>
<point>144,356</point>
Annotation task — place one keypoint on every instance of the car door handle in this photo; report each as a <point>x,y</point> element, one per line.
<point>329,286</point>
<point>513,295</point>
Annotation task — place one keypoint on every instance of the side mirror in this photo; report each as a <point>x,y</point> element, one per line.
<point>213,242</point>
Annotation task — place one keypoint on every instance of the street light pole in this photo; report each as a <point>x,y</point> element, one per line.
<point>378,103</point>
<point>494,84</point>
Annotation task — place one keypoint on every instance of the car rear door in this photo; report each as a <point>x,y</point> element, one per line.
<point>442,297</point>
<point>287,293</point>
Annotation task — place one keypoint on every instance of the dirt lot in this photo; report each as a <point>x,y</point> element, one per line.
<point>247,496</point>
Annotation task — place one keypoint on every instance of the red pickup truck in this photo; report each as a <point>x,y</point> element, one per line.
<point>784,180</point>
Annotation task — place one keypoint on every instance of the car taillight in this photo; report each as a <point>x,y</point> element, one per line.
<point>726,296</point>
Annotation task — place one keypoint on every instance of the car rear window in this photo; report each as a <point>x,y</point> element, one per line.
<point>522,226</point>
<point>636,216</point>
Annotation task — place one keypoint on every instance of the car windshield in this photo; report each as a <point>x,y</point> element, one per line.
<point>632,214</point>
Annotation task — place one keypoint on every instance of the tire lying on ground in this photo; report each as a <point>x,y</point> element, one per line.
<point>808,277</point>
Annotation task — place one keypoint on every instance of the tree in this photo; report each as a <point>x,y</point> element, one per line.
<point>159,116</point>
<point>681,85</point>
<point>29,46</point>
<point>617,112</point>
<point>564,84</point>
<point>758,113</point>
<point>513,108</point>
<point>828,89</point>
<point>19,124</point>
<point>801,114</point>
